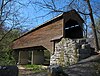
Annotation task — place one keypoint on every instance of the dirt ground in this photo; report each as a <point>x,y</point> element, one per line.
<point>31,73</point>
<point>28,72</point>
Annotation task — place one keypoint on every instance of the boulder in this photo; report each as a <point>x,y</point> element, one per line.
<point>56,70</point>
<point>86,67</point>
<point>8,71</point>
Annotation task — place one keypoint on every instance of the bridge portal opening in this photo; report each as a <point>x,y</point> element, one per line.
<point>73,30</point>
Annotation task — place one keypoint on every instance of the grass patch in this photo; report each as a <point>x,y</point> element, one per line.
<point>35,68</point>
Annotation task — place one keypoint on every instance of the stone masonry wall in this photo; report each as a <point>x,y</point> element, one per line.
<point>70,51</point>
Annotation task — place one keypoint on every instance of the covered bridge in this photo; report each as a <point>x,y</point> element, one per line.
<point>67,25</point>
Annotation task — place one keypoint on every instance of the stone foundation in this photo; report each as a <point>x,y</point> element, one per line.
<point>70,51</point>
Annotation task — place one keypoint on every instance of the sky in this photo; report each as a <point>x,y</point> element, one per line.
<point>34,12</point>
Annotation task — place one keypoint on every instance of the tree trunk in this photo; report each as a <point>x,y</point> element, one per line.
<point>93,26</point>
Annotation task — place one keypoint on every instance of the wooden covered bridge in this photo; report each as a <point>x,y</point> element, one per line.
<point>43,37</point>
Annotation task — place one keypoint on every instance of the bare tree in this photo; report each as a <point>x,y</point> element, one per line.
<point>10,15</point>
<point>93,25</point>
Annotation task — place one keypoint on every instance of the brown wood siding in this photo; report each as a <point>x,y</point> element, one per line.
<point>40,37</point>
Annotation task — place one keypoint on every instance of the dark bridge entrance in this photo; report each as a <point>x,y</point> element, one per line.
<point>73,30</point>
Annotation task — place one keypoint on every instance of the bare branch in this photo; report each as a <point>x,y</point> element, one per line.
<point>6,34</point>
<point>71,3</point>
<point>53,4</point>
<point>83,13</point>
<point>98,31</point>
<point>43,15</point>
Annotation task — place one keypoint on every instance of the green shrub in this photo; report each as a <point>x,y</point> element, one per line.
<point>35,68</point>
<point>6,58</point>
